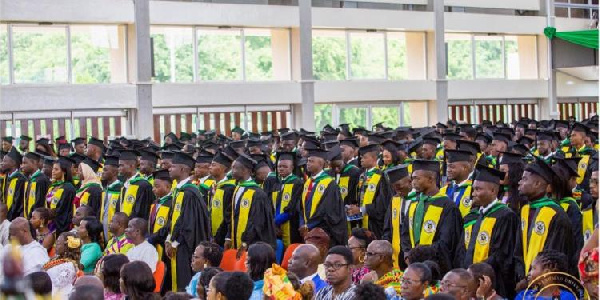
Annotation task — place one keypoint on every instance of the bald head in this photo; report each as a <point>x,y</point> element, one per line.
<point>118,223</point>
<point>382,247</point>
<point>305,260</point>
<point>136,230</point>
<point>19,229</point>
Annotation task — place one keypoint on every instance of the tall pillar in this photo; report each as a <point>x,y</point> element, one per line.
<point>142,116</point>
<point>304,114</point>
<point>415,53</point>
<point>441,84</point>
<point>280,45</point>
<point>552,101</point>
<point>118,66</point>
<point>527,57</point>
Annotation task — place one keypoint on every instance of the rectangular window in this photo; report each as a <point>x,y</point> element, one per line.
<point>40,54</point>
<point>323,115</point>
<point>388,115</point>
<point>459,54</point>
<point>173,54</point>
<point>368,55</point>
<point>259,54</point>
<point>219,54</point>
<point>98,54</point>
<point>329,55</point>
<point>355,116</point>
<point>488,57</point>
<point>4,54</point>
<point>397,58</point>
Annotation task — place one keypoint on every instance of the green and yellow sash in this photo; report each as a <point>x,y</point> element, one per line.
<point>238,228</point>
<point>369,195</point>
<point>534,243</point>
<point>396,213</point>
<point>217,205</point>
<point>484,236</point>
<point>320,185</point>
<point>430,220</point>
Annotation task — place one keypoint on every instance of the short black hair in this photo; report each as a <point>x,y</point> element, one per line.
<point>482,269</point>
<point>369,291</point>
<point>261,257</point>
<point>111,271</point>
<point>94,229</point>
<point>41,284</point>
<point>234,285</point>
<point>364,236</point>
<point>343,251</point>
<point>553,260</point>
<point>212,253</point>
<point>87,292</point>
<point>205,277</point>
<point>423,270</point>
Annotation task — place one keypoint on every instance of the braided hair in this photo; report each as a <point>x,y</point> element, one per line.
<point>552,261</point>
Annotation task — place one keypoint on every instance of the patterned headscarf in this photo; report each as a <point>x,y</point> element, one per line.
<point>588,265</point>
<point>277,285</point>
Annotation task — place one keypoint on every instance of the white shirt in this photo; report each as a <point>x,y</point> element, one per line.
<point>4,232</point>
<point>308,278</point>
<point>144,252</point>
<point>127,182</point>
<point>483,210</point>
<point>175,244</point>
<point>36,256</point>
<point>180,184</point>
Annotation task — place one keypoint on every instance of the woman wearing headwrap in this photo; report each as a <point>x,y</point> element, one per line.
<point>90,193</point>
<point>63,269</point>
<point>278,285</point>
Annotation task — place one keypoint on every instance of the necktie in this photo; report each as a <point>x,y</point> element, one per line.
<point>418,221</point>
<point>308,202</point>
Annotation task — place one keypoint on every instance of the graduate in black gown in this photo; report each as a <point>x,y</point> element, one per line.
<point>37,183</point>
<point>490,234</point>
<point>61,194</point>
<point>90,193</point>
<point>137,196</point>
<point>399,180</point>
<point>321,204</point>
<point>286,196</point>
<point>349,150</point>
<point>544,223</point>
<point>14,185</point>
<point>252,213</point>
<point>432,218</point>
<point>346,175</point>
<point>562,190</point>
<point>189,223</point>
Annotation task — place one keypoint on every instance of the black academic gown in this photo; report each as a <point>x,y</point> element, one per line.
<point>94,200</point>
<point>501,248</point>
<point>261,225</point>
<point>292,211</point>
<point>448,240</point>
<point>329,215</point>
<point>191,228</point>
<point>64,209</point>
<point>221,232</point>
<point>142,200</point>
<point>353,174</point>
<point>42,184</point>
<point>17,193</point>
<point>378,208</point>
<point>574,213</point>
<point>560,238</point>
<point>354,162</point>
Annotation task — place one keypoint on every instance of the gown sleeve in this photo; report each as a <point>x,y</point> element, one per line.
<point>449,240</point>
<point>16,209</point>
<point>193,225</point>
<point>377,210</point>
<point>64,208</point>
<point>143,201</point>
<point>95,199</point>
<point>41,189</point>
<point>501,252</point>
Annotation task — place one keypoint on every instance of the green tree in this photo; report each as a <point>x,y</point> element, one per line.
<point>329,58</point>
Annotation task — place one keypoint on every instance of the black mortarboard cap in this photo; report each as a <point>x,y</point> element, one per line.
<point>238,129</point>
<point>237,144</point>
<point>204,159</point>
<point>390,145</point>
<point>149,155</point>
<point>229,151</point>
<point>546,135</point>
<point>509,157</point>
<point>33,156</point>
<point>288,136</point>
<point>483,137</point>
<point>92,163</point>
<point>568,164</point>
<point>458,155</point>
<point>483,173</point>
<point>440,125</point>
<point>285,155</point>
<point>371,147</point>
<point>162,174</point>
<point>396,173</point>
<point>376,138</point>
<point>129,155</point>
<point>182,158</point>
<point>166,154</point>
<point>184,136</point>
<point>503,137</point>
<point>222,159</point>
<point>318,152</point>
<point>352,142</point>
<point>78,141</point>
<point>8,139</point>
<point>246,161</point>
<point>25,138</point>
<point>15,155</point>
<point>330,136</point>
<point>542,169</point>
<point>520,148</point>
<point>335,153</point>
<point>171,147</point>
<point>330,144</point>
<point>173,136</point>
<point>49,160</point>
<point>111,160</point>
<point>65,162</point>
<point>64,145</point>
<point>426,165</point>
<point>96,142</point>
<point>415,144</point>
<point>525,140</point>
<point>431,140</point>
<point>78,158</point>
<point>451,136</point>
<point>470,146</point>
<point>253,142</point>
<point>359,130</point>
<point>43,141</point>
<point>579,127</point>
<point>283,130</point>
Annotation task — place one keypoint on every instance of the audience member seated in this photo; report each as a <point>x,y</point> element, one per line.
<point>40,218</point>
<point>378,258</point>
<point>89,232</point>
<point>206,255</point>
<point>137,282</point>
<point>369,291</point>
<point>41,284</point>
<point>304,263</point>
<point>545,262</point>
<point>63,268</point>
<point>204,281</point>
<point>415,281</point>
<point>142,250</point>
<point>32,254</point>
<point>110,273</point>
<point>459,283</point>
<point>358,242</point>
<point>338,265</point>
<point>485,278</point>
<point>230,286</point>
<point>261,256</point>
<point>87,292</point>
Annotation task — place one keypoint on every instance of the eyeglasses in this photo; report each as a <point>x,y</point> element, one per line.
<point>409,281</point>
<point>451,285</point>
<point>334,267</point>
<point>372,254</point>
<point>352,248</point>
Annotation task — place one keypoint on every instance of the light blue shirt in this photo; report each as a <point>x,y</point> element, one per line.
<point>257,292</point>
<point>191,288</point>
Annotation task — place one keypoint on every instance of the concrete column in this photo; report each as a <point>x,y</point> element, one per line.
<point>118,63</point>
<point>441,84</point>
<point>416,56</point>
<point>280,47</point>
<point>419,115</point>
<point>142,116</point>
<point>305,114</point>
<point>527,57</point>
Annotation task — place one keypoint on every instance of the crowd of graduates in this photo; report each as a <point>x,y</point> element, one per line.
<point>452,211</point>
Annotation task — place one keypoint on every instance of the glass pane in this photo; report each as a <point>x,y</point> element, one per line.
<point>355,116</point>
<point>97,52</point>
<point>407,120</point>
<point>368,55</point>
<point>173,54</point>
<point>521,57</point>
<point>323,115</point>
<point>460,63</point>
<point>40,54</point>
<point>219,54</point>
<point>329,55</point>
<point>259,54</point>
<point>388,115</point>
<point>397,68</point>
<point>488,55</point>
<point>3,54</point>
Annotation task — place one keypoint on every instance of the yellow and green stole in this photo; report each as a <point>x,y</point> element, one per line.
<point>396,215</point>
<point>217,213</point>
<point>30,196</point>
<point>534,243</point>
<point>368,191</point>
<point>245,204</point>
<point>280,206</point>
<point>344,181</point>
<point>484,236</point>
<point>177,205</point>
<point>423,233</point>
<point>128,201</point>
<point>320,184</point>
